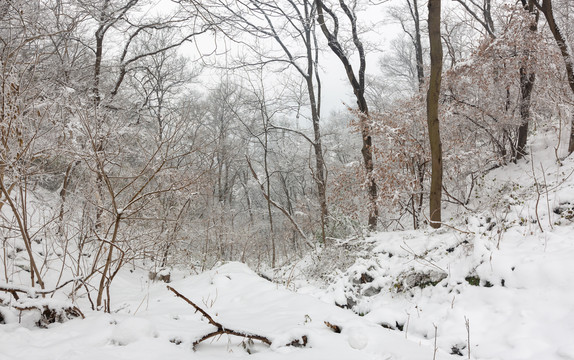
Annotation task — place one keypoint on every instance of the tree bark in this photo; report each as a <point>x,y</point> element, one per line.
<point>560,39</point>
<point>432,112</point>
<point>315,105</point>
<point>526,86</point>
<point>527,80</point>
<point>358,85</point>
<point>414,10</point>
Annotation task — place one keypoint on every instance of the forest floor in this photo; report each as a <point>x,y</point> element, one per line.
<point>150,322</point>
<point>496,283</point>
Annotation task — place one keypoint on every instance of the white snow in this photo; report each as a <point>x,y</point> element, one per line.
<point>520,253</point>
<point>166,326</point>
<point>133,329</point>
<point>500,278</point>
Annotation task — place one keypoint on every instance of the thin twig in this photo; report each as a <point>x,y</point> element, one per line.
<point>435,348</point>
<point>467,324</point>
<point>449,226</point>
<point>537,193</point>
<point>547,199</point>
<point>420,258</point>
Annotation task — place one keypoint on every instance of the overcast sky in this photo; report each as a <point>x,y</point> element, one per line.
<point>336,90</point>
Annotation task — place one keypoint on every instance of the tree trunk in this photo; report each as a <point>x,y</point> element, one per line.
<point>414,9</point>
<point>304,26</point>
<point>315,104</point>
<point>527,80</point>
<point>109,259</point>
<point>560,39</point>
<point>526,86</point>
<point>432,112</point>
<point>358,84</point>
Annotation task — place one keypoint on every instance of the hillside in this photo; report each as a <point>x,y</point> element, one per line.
<point>497,278</point>
<point>503,267</point>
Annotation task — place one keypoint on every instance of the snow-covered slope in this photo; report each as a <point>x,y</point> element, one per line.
<point>499,276</point>
<point>152,323</point>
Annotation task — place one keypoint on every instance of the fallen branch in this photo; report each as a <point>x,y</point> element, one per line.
<point>49,312</point>
<point>31,292</point>
<point>220,328</point>
<point>13,291</point>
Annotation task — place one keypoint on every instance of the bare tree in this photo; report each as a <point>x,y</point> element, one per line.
<point>565,51</point>
<point>132,191</point>
<point>291,26</point>
<point>481,12</point>
<point>407,17</point>
<point>27,136</point>
<point>330,27</point>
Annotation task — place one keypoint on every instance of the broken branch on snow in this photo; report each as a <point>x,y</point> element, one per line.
<point>223,330</point>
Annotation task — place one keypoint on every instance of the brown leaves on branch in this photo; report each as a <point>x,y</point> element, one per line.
<point>336,328</point>
<point>480,113</point>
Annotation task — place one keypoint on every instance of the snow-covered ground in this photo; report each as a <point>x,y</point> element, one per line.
<point>499,277</point>
<point>152,323</point>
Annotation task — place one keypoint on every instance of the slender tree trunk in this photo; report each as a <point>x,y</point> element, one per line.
<point>315,103</point>
<point>314,99</point>
<point>320,177</point>
<point>268,181</point>
<point>414,9</point>
<point>526,86</point>
<point>560,39</point>
<point>269,212</point>
<point>100,34</point>
<point>108,261</point>
<point>432,112</point>
<point>63,195</point>
<point>98,66</point>
<point>367,152</point>
<point>358,84</point>
<point>527,80</point>
<point>304,25</point>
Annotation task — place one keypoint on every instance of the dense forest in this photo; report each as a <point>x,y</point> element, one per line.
<point>188,133</point>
